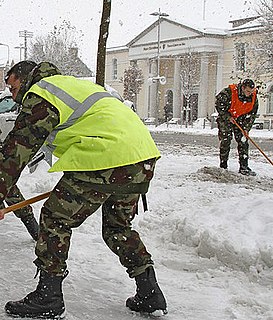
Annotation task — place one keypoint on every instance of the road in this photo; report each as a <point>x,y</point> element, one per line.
<point>204,140</point>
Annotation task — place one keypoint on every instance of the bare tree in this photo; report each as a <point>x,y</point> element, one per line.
<point>104,31</point>
<point>132,81</point>
<point>189,76</point>
<point>60,47</point>
<point>55,45</point>
<point>265,45</point>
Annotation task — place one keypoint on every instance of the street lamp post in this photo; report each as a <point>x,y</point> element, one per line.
<point>158,14</point>
<point>25,34</point>
<point>20,47</point>
<point>158,78</point>
<point>6,45</point>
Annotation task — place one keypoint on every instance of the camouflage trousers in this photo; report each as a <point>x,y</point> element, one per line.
<point>226,130</point>
<point>14,196</point>
<point>77,196</point>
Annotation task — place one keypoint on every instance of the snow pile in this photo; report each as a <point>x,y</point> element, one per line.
<point>220,213</point>
<point>209,231</point>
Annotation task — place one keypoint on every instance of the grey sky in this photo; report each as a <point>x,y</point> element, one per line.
<point>128,18</point>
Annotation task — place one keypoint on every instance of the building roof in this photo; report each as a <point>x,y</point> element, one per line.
<point>78,68</point>
<point>118,49</point>
<point>203,30</point>
<point>247,24</point>
<point>197,31</point>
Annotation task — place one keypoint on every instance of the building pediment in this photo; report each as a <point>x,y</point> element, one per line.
<point>168,30</point>
<point>175,39</point>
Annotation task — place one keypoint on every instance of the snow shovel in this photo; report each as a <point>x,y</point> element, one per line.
<point>24,203</point>
<point>248,137</point>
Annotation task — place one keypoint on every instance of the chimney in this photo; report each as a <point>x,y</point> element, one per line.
<point>73,51</point>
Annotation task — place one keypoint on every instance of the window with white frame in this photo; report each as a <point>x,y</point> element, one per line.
<point>240,56</point>
<point>114,69</point>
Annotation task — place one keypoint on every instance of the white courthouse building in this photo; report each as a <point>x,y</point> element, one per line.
<point>194,65</point>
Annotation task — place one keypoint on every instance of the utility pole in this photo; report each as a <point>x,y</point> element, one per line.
<point>158,14</point>
<point>20,47</point>
<point>25,34</point>
<point>204,10</point>
<point>104,31</point>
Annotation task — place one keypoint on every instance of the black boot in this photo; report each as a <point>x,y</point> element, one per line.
<point>246,171</point>
<point>32,226</point>
<point>149,297</point>
<point>45,302</point>
<point>223,164</point>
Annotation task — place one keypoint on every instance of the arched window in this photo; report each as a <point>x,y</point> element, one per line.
<point>114,69</point>
<point>270,100</point>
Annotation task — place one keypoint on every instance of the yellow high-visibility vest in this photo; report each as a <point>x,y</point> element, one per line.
<point>96,131</point>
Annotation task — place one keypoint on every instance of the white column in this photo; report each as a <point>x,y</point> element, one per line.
<point>203,89</point>
<point>219,76</point>
<point>177,89</point>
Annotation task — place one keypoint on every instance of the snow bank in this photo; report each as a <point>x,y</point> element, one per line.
<point>220,213</point>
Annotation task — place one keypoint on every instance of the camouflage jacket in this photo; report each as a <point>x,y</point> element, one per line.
<point>35,122</point>
<point>223,103</point>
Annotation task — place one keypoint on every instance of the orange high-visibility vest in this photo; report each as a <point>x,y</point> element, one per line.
<point>239,107</point>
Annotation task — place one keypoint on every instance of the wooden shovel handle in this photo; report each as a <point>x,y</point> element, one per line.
<point>24,203</point>
<point>251,140</point>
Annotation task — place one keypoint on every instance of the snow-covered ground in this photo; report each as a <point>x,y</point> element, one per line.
<point>199,129</point>
<point>210,233</point>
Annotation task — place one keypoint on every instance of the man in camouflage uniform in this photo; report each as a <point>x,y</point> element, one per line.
<point>236,102</point>
<point>25,214</point>
<point>108,159</point>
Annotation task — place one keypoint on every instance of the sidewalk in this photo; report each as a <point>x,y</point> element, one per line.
<point>254,133</point>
